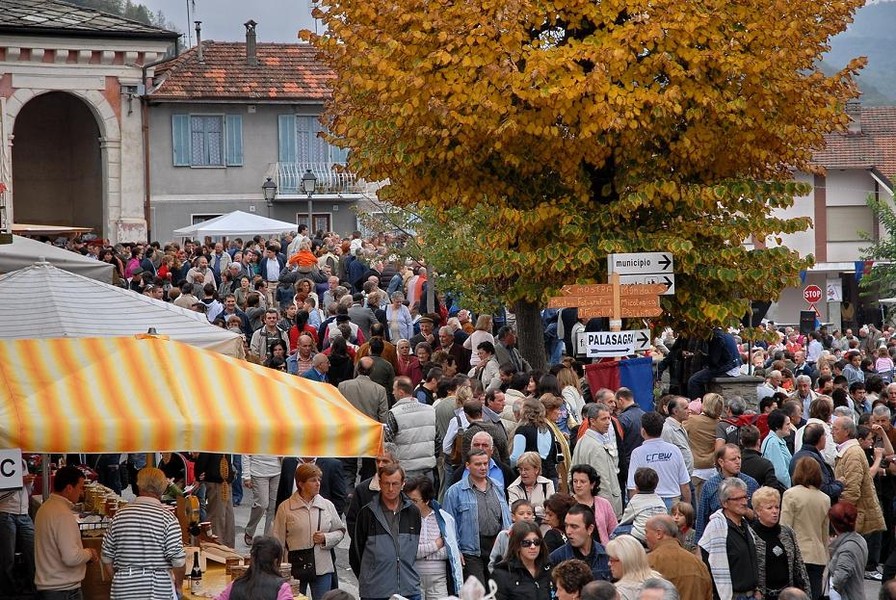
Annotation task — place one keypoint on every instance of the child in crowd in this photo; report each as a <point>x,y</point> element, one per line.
<point>520,510</point>
<point>883,366</point>
<point>644,504</point>
<point>684,516</point>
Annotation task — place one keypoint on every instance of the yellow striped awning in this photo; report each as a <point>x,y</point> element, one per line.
<point>146,393</point>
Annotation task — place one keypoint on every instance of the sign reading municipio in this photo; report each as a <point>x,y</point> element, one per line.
<point>604,344</point>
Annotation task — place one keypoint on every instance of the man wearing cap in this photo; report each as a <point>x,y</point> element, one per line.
<point>426,333</point>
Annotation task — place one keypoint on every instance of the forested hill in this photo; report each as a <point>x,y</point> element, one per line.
<point>873,34</point>
<point>129,10</point>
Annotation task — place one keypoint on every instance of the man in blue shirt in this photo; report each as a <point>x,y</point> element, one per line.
<point>480,510</point>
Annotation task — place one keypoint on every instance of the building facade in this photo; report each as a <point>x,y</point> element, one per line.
<point>857,164</point>
<point>71,118</point>
<point>226,116</point>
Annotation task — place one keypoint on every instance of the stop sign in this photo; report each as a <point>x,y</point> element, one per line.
<point>812,294</point>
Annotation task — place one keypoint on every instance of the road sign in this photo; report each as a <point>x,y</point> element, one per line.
<point>667,281</point>
<point>812,294</point>
<point>602,344</point>
<point>630,307</point>
<point>636,263</point>
<point>598,295</point>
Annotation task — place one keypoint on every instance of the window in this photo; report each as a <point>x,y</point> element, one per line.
<point>322,221</point>
<point>207,140</point>
<point>300,142</point>
<point>845,223</point>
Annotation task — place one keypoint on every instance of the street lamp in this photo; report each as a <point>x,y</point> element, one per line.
<point>269,189</point>
<point>309,181</point>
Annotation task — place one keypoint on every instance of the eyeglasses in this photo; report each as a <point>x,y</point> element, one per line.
<point>530,543</point>
<point>736,498</point>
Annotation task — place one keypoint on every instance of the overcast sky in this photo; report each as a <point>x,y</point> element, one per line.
<point>222,20</point>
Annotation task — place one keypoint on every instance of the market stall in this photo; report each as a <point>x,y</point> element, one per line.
<point>147,393</point>
<point>43,301</point>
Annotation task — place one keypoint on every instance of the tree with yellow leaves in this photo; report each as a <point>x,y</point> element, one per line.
<point>571,129</point>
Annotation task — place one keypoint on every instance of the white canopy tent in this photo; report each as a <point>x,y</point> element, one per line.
<point>24,252</point>
<point>237,223</point>
<point>42,301</point>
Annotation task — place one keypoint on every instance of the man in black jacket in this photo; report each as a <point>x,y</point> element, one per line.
<point>753,463</point>
<point>814,440</point>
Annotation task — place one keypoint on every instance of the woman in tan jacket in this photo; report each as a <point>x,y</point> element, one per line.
<point>702,435</point>
<point>804,509</point>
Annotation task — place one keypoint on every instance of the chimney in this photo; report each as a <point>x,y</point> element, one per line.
<point>198,39</point>
<point>251,57</point>
<point>854,112</point>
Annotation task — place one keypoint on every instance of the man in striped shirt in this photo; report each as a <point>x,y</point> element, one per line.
<point>143,549</point>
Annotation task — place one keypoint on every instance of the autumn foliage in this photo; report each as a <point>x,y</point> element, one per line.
<point>570,129</point>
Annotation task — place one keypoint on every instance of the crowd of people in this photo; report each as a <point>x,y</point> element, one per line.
<point>504,473</point>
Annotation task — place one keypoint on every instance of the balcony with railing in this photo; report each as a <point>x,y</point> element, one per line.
<point>332,178</point>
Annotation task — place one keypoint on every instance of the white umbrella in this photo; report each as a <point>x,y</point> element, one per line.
<point>237,223</point>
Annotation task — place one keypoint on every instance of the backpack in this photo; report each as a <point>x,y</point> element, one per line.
<point>457,445</point>
<point>732,429</point>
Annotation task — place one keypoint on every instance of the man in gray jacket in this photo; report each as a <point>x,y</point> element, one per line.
<point>386,538</point>
<point>411,425</point>
<point>370,398</point>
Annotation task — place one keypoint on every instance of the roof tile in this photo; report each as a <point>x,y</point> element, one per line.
<point>53,16</point>
<point>873,147</point>
<point>285,72</point>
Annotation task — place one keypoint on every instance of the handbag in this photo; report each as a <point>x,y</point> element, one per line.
<point>303,566</point>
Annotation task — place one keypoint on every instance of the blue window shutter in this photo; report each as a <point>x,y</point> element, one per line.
<point>234,129</point>
<point>180,139</point>
<point>287,137</point>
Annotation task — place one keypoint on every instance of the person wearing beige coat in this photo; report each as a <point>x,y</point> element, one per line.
<point>851,468</point>
<point>804,508</point>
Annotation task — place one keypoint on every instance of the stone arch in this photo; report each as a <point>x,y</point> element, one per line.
<point>109,140</point>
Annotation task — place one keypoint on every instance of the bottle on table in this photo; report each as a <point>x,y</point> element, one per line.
<point>195,575</point>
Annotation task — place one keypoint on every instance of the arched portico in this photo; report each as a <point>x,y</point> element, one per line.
<point>65,152</point>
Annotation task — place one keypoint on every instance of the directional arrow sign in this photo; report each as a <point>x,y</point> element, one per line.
<point>636,263</point>
<point>601,344</point>
<point>590,296</point>
<point>632,306</point>
<point>667,281</point>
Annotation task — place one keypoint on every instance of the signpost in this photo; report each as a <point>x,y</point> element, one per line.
<point>637,281</point>
<point>602,344</point>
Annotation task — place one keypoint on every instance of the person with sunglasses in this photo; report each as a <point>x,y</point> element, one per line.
<point>525,571</point>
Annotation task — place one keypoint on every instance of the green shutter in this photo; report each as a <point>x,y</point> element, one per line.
<point>234,150</point>
<point>180,139</point>
<point>287,137</point>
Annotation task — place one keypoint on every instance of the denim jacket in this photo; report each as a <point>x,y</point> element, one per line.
<point>460,503</point>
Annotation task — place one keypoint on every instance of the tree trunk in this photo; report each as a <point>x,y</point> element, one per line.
<point>530,333</point>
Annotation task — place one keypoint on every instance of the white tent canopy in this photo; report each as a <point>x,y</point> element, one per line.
<point>237,223</point>
<point>42,301</point>
<point>24,252</point>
